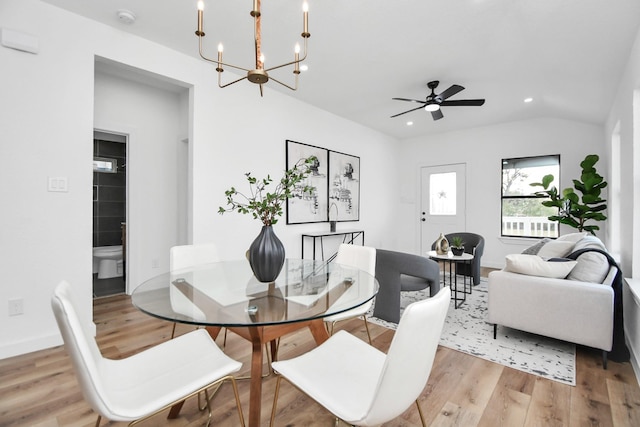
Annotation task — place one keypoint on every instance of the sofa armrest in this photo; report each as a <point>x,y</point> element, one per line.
<point>569,310</point>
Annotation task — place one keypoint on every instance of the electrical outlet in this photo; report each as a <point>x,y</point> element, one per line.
<point>16,307</point>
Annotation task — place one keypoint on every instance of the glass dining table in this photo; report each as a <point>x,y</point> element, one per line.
<point>226,294</point>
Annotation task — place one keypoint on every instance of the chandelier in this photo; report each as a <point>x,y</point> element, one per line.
<point>258,75</point>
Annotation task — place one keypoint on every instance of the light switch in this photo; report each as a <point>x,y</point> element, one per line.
<point>58,184</point>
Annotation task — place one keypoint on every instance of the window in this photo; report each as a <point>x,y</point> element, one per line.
<point>522,212</point>
<point>442,191</point>
<point>104,164</point>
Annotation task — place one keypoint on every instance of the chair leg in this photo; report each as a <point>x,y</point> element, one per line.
<point>238,405</point>
<point>366,326</point>
<point>98,420</point>
<point>173,330</point>
<point>424,424</point>
<point>275,401</point>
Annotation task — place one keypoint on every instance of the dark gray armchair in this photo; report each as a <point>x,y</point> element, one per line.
<point>398,271</point>
<point>473,244</point>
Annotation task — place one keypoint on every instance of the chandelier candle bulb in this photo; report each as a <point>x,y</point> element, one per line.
<point>305,19</point>
<point>296,67</point>
<point>200,31</point>
<point>220,50</point>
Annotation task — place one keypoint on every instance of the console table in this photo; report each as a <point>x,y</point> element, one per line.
<point>348,236</point>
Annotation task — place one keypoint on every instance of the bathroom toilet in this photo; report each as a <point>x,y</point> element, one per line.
<point>107,261</point>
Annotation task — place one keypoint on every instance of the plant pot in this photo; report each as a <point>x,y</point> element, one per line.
<point>266,255</point>
<point>457,251</point>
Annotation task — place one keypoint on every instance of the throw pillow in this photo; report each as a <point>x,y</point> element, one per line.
<point>533,250</point>
<point>592,267</point>
<point>556,249</point>
<point>572,237</point>
<point>533,265</point>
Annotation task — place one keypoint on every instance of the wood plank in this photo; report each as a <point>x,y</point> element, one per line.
<point>550,404</point>
<point>510,400</point>
<point>625,403</point>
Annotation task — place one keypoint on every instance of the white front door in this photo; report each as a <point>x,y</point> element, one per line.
<point>442,201</point>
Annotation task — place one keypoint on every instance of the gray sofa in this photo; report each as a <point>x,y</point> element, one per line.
<point>397,272</point>
<point>576,306</point>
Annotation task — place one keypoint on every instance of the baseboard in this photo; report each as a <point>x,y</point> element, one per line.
<point>29,346</point>
<point>19,348</point>
<point>634,361</point>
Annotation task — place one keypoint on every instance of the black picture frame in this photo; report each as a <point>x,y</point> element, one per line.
<point>344,187</point>
<point>310,207</point>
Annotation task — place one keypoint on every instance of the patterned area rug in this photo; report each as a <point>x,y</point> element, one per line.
<point>467,330</point>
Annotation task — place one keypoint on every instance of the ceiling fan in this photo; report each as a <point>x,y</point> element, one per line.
<point>434,102</point>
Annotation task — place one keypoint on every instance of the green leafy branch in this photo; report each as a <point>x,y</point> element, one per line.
<point>575,210</point>
<point>264,205</point>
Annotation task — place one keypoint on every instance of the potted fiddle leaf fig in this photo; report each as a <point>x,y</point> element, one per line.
<point>576,209</point>
<point>266,253</point>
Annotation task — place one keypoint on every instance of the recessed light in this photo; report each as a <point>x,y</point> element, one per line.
<point>527,100</point>
<point>126,16</point>
<point>304,67</point>
<point>409,123</point>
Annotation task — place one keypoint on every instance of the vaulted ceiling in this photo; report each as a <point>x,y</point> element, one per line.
<point>567,55</point>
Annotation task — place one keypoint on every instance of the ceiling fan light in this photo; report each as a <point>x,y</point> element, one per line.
<point>432,107</point>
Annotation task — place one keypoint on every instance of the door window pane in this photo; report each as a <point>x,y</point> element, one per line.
<point>442,193</point>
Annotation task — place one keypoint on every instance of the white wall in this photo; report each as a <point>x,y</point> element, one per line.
<point>482,149</point>
<point>46,117</point>
<point>625,111</point>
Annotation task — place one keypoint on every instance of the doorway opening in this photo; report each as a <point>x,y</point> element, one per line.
<point>109,213</point>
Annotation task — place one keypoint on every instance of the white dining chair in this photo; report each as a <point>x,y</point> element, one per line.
<point>361,385</point>
<point>362,258</point>
<point>185,256</point>
<point>142,385</point>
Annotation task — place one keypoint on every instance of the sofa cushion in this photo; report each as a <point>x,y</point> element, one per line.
<point>533,250</point>
<point>533,265</point>
<point>592,267</point>
<point>572,237</point>
<point>556,249</point>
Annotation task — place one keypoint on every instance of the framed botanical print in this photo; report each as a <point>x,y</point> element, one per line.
<point>344,187</point>
<point>310,206</point>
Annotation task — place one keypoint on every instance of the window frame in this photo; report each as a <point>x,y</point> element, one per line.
<point>554,229</point>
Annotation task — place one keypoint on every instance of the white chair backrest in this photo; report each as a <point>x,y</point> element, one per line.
<point>360,257</point>
<point>81,346</point>
<point>410,357</point>
<point>189,255</point>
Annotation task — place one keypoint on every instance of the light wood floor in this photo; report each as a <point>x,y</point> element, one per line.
<point>40,389</point>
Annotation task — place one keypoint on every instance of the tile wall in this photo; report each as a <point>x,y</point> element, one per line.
<point>109,195</point>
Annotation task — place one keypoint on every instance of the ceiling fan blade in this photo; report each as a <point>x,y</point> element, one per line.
<point>410,100</point>
<point>463,103</point>
<point>451,91</point>
<point>408,111</point>
<point>437,115</point>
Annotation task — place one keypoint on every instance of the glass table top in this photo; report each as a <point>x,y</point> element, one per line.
<point>227,293</point>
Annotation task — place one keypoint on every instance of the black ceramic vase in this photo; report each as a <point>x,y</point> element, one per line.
<point>266,255</point>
